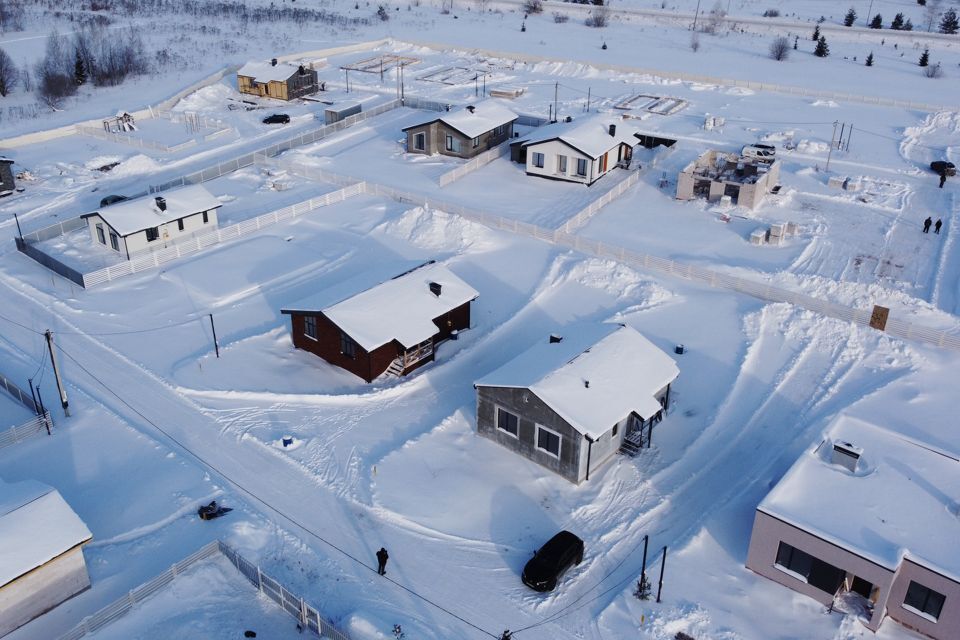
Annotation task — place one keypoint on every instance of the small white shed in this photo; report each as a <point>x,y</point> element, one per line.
<point>41,552</point>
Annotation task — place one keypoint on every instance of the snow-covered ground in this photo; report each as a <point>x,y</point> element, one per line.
<point>160,424</point>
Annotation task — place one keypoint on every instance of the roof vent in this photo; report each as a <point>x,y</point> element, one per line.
<point>471,108</point>
<point>302,71</point>
<point>554,338</point>
<point>161,203</point>
<point>586,384</point>
<point>273,62</point>
<point>435,288</point>
<point>846,455</point>
<point>612,130</point>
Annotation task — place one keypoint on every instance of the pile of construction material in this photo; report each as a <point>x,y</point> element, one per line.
<point>775,234</point>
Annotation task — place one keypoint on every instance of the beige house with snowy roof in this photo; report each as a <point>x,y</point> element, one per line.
<point>132,227</point>
<point>276,80</point>
<point>573,400</point>
<point>41,558</point>
<point>580,151</point>
<point>868,516</point>
<point>463,133</point>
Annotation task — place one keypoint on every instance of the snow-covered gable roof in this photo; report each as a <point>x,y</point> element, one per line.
<point>591,135</point>
<point>266,72</point>
<point>402,308</point>
<point>486,115</point>
<point>131,216</point>
<point>901,501</point>
<point>623,368</point>
<point>36,526</point>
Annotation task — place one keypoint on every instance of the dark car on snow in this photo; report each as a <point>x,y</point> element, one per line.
<point>544,569</point>
<point>277,118</point>
<point>109,200</point>
<point>943,168</point>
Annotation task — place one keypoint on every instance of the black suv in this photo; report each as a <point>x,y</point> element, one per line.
<point>552,560</point>
<point>277,118</point>
<point>109,200</point>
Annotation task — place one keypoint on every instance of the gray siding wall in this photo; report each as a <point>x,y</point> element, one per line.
<point>533,411</point>
<point>436,133</point>
<point>6,177</point>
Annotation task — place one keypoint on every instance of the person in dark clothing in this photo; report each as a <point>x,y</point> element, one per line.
<point>943,179</point>
<point>936,227</point>
<point>926,225</point>
<point>382,557</point>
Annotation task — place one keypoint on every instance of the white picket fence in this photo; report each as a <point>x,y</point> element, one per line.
<point>308,616</point>
<point>153,259</point>
<point>475,163</point>
<point>33,427</point>
<point>581,217</point>
<point>133,141</point>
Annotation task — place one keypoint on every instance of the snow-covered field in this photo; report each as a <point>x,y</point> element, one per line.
<point>160,424</point>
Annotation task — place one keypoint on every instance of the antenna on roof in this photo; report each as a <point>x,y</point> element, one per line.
<point>554,338</point>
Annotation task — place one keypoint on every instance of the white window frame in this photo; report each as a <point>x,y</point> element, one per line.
<point>496,421</point>
<point>306,327</point>
<point>101,235</point>
<point>451,144</point>
<point>536,441</point>
<point>562,164</point>
<point>538,160</point>
<point>420,141</point>
<point>114,241</point>
<point>476,142</point>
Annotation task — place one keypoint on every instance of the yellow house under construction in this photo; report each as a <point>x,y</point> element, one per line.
<point>273,80</point>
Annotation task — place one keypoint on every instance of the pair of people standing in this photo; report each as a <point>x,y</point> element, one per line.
<point>928,222</point>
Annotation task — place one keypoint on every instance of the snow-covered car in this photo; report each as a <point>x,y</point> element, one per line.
<point>943,168</point>
<point>277,118</point>
<point>552,560</point>
<point>758,150</point>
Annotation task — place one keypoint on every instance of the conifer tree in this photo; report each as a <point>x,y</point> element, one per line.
<point>822,50</point>
<point>949,24</point>
<point>79,69</point>
<point>897,24</point>
<point>925,58</point>
<point>850,18</point>
<point>869,62</point>
<point>816,33</point>
<point>877,22</point>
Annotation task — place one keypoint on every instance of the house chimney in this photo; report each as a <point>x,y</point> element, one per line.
<point>471,108</point>
<point>846,455</point>
<point>435,288</point>
<point>161,203</point>
<point>612,130</point>
<point>302,71</point>
<point>586,384</point>
<point>273,62</point>
<point>554,338</point>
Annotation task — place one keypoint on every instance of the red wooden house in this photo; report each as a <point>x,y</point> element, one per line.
<point>391,328</point>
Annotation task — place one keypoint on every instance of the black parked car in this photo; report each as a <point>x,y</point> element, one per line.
<point>943,168</point>
<point>553,559</point>
<point>277,118</point>
<point>109,200</point>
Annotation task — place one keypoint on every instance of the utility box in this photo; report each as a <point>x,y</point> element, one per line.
<point>878,319</point>
<point>758,237</point>
<point>338,112</point>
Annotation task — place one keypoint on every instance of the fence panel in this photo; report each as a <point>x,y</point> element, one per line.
<point>35,426</point>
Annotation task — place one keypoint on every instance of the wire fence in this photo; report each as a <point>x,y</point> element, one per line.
<point>33,427</point>
<point>308,616</point>
<point>18,394</point>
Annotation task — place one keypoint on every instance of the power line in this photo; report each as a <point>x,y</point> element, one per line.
<point>104,333</point>
<point>268,506</point>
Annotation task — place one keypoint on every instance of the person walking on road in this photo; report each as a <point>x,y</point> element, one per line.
<point>926,225</point>
<point>936,227</point>
<point>382,557</point>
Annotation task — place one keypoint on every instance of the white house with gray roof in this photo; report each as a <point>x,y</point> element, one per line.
<point>569,402</point>
<point>41,555</point>
<point>132,227</point>
<point>580,151</point>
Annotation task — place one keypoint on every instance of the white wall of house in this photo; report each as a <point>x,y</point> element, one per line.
<point>93,222</point>
<point>552,151</point>
<point>168,233</point>
<point>42,589</point>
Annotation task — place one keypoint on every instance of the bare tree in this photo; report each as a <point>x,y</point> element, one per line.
<point>780,48</point>
<point>695,42</point>
<point>714,19</point>
<point>11,16</point>
<point>55,71</point>
<point>933,71</point>
<point>931,12</point>
<point>8,73</point>
<point>599,17</point>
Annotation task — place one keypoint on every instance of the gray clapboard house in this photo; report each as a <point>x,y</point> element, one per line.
<point>464,133</point>
<point>570,402</point>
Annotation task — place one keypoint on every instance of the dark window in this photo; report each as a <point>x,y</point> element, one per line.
<point>561,164</point>
<point>508,422</point>
<point>452,144</point>
<point>102,238</point>
<point>538,160</point>
<point>615,428</point>
<point>817,573</point>
<point>420,141</point>
<point>152,234</point>
<point>114,241</point>
<point>347,346</point>
<point>310,326</point>
<point>581,167</point>
<point>548,441</point>
<point>180,224</point>
<point>924,600</point>
<point>205,218</point>
<point>476,142</point>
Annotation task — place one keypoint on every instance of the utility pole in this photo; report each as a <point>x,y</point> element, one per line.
<point>216,347</point>
<point>588,99</point>
<point>849,133</point>
<point>643,567</point>
<point>695,15</point>
<point>19,230</point>
<point>36,405</point>
<point>556,89</point>
<point>476,85</point>
<point>832,137</point>
<point>56,373</point>
<point>663,563</point>
<point>346,75</point>
<point>869,11</point>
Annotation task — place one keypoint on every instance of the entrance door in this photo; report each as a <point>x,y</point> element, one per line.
<point>862,587</point>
